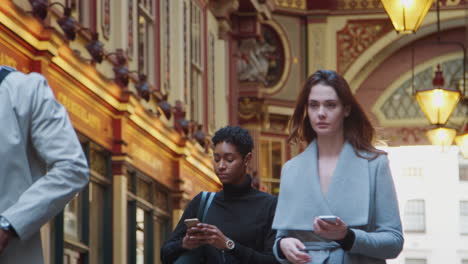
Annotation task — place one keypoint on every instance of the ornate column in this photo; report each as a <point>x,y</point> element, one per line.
<point>249,75</point>
<point>119,212</point>
<point>119,195</point>
<point>181,197</point>
<point>251,116</point>
<point>238,20</point>
<point>316,43</point>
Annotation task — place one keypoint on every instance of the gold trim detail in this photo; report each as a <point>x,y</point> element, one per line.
<point>287,57</point>
<point>294,4</point>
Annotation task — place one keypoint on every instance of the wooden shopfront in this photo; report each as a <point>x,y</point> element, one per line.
<point>143,172</point>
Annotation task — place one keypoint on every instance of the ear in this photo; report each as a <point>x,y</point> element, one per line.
<point>347,110</point>
<point>247,158</point>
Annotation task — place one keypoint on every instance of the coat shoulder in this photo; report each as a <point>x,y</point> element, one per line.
<point>297,160</point>
<point>21,85</point>
<point>268,197</point>
<point>20,80</point>
<point>379,160</point>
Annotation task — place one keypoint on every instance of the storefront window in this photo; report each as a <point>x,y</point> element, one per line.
<point>271,160</point>
<point>81,235</point>
<point>140,236</point>
<point>163,225</point>
<point>149,219</point>
<point>140,220</point>
<point>72,215</point>
<point>161,232</point>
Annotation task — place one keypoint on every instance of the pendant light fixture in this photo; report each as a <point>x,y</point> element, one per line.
<point>407,15</point>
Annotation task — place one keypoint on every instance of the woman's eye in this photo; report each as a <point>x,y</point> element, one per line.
<point>331,105</point>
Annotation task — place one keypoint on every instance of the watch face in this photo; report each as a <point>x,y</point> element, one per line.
<point>230,244</point>
<point>4,224</point>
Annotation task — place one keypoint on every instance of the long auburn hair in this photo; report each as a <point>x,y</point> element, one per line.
<point>357,128</point>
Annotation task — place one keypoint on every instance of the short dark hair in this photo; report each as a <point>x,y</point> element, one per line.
<point>235,135</point>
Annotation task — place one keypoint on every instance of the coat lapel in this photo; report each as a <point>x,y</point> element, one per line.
<point>349,191</point>
<point>301,198</point>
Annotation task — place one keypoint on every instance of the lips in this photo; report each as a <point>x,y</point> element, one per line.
<point>322,124</point>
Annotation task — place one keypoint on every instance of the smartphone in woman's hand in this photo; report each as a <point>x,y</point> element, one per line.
<point>329,218</point>
<point>191,222</point>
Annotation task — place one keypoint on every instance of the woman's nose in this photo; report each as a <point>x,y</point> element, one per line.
<point>321,111</point>
<point>222,165</point>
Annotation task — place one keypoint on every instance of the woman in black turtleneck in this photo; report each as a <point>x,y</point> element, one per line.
<point>238,213</point>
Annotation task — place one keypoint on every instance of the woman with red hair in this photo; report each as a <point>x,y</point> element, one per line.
<point>341,175</point>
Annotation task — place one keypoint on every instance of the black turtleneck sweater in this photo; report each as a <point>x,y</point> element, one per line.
<point>243,214</point>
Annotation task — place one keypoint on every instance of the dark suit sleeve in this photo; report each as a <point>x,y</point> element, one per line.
<point>172,248</point>
<point>249,255</point>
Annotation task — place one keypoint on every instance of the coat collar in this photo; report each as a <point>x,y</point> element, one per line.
<point>301,198</point>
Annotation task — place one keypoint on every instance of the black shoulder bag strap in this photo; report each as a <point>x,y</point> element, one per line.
<point>197,255</point>
<point>205,202</point>
<point>4,71</point>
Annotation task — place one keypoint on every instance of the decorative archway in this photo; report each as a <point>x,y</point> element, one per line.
<point>392,73</point>
<point>387,45</point>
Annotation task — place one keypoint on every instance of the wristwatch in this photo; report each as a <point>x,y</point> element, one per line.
<point>230,244</point>
<point>4,224</point>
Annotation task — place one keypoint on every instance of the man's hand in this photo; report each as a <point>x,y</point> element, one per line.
<point>5,237</point>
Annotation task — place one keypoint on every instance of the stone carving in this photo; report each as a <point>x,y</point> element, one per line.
<point>261,59</point>
<point>253,60</point>
<point>250,109</point>
<point>356,37</point>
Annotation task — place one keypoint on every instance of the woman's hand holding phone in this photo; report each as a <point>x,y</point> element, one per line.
<point>191,222</point>
<point>327,228</point>
<point>213,236</point>
<point>198,234</point>
<point>194,237</point>
<point>329,218</point>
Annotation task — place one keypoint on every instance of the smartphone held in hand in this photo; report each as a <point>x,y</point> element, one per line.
<point>191,222</point>
<point>329,218</point>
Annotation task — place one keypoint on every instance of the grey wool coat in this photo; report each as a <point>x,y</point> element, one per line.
<point>361,193</point>
<point>42,165</point>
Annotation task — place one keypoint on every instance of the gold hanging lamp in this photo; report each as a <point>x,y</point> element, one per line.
<point>438,102</point>
<point>441,136</point>
<point>407,15</point>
